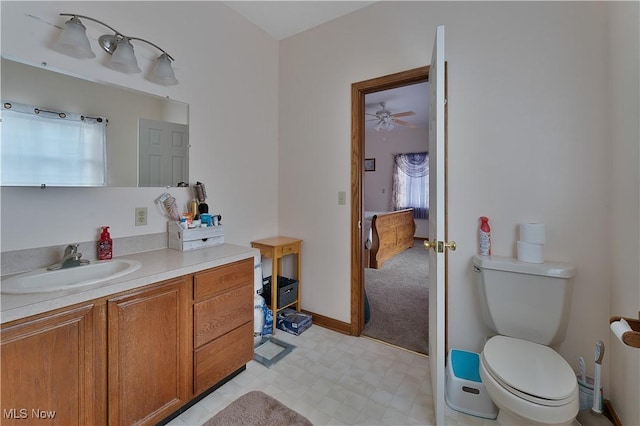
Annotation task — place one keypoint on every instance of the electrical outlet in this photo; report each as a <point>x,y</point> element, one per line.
<point>141,216</point>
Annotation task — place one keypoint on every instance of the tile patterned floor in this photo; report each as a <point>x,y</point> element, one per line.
<point>333,379</point>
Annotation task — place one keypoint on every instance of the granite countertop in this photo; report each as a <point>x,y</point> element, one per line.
<point>157,265</point>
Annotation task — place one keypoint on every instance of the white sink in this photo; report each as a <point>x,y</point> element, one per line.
<point>45,281</point>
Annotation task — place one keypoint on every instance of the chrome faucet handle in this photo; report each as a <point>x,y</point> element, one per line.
<point>71,248</point>
<point>72,257</point>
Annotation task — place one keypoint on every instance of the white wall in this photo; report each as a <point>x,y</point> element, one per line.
<point>625,201</point>
<point>383,145</point>
<point>228,73</point>
<point>528,132</point>
<point>528,125</point>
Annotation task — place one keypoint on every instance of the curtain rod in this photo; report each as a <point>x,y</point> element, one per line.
<point>8,105</point>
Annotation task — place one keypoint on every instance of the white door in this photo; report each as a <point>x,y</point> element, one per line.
<point>163,153</point>
<point>437,225</point>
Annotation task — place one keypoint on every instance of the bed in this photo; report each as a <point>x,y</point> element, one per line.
<point>387,234</point>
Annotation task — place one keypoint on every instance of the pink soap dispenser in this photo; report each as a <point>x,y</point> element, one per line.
<point>105,245</point>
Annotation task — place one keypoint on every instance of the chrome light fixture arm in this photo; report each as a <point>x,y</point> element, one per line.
<point>154,45</point>
<point>75,15</point>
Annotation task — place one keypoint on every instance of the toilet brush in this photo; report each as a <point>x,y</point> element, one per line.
<point>593,416</point>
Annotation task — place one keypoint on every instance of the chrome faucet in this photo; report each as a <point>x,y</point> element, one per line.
<point>71,258</point>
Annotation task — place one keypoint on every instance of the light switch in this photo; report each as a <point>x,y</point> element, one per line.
<point>342,198</point>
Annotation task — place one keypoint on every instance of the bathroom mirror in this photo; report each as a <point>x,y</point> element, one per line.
<point>125,110</point>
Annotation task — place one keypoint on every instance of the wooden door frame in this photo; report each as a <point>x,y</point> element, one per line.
<point>358,92</point>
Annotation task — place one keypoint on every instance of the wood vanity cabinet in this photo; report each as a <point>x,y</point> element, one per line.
<point>223,322</point>
<point>131,358</point>
<point>52,368</point>
<point>149,355</point>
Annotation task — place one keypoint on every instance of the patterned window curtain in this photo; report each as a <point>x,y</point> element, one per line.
<point>411,183</point>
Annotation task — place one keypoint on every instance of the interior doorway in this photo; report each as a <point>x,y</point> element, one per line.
<point>358,94</point>
<point>397,289</point>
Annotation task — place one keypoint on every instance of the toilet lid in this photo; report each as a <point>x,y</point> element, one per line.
<point>530,370</point>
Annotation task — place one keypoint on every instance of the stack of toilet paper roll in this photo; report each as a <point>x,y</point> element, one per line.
<point>531,243</point>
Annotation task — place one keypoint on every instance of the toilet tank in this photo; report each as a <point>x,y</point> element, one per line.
<point>530,301</point>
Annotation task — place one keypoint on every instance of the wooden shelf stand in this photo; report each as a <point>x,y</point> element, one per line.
<point>276,248</point>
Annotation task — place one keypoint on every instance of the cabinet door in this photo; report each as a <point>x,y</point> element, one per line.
<point>149,353</point>
<point>53,369</point>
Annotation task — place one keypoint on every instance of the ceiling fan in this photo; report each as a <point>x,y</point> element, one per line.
<point>387,120</point>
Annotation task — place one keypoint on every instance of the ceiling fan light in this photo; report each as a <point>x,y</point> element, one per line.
<point>73,41</point>
<point>163,72</point>
<point>384,124</point>
<point>123,59</point>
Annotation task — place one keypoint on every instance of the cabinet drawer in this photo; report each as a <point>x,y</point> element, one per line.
<point>223,278</point>
<point>222,313</point>
<point>223,356</point>
<point>287,249</point>
<point>290,248</point>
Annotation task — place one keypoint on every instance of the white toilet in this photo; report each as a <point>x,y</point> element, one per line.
<point>528,305</point>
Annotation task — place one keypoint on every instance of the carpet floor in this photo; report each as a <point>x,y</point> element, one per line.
<point>256,408</point>
<point>398,296</point>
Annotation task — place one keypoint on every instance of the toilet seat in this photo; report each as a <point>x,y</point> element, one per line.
<point>530,371</point>
<point>528,382</point>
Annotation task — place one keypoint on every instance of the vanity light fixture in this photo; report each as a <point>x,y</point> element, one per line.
<point>74,42</point>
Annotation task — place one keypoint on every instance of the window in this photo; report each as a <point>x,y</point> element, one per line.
<point>52,148</point>
<point>411,183</point>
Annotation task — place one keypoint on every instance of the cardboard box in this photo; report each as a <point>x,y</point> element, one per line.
<point>293,322</point>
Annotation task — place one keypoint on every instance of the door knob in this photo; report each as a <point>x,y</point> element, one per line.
<point>439,246</point>
<point>430,244</point>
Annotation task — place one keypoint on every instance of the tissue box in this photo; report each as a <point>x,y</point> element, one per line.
<point>194,238</point>
<point>293,322</point>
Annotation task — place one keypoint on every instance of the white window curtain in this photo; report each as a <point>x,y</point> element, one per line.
<point>52,148</point>
<point>411,183</point>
